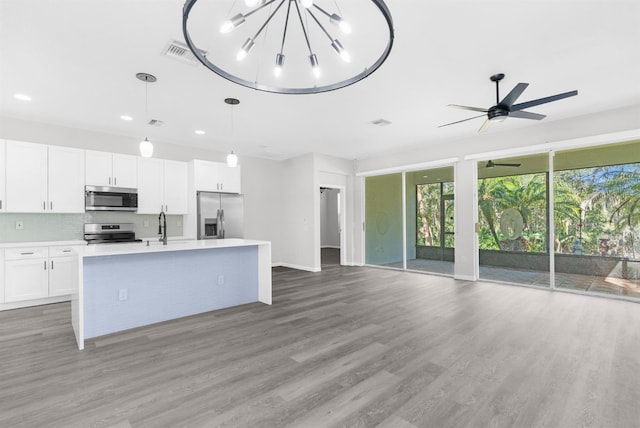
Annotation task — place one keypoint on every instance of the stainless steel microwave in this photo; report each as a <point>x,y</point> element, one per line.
<point>102,198</point>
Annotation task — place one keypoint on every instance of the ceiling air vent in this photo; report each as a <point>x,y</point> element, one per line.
<point>381,122</point>
<point>156,122</point>
<point>179,51</point>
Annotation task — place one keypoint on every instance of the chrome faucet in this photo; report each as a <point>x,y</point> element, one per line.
<point>162,228</point>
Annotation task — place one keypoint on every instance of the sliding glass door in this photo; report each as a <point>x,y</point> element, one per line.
<point>513,206</point>
<point>430,220</point>
<point>597,219</point>
<point>383,220</point>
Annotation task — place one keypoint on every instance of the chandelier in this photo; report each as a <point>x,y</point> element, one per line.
<point>289,46</point>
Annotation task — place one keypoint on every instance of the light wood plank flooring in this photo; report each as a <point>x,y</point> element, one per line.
<point>347,347</point>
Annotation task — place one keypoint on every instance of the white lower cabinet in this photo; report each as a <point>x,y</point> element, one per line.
<point>39,272</point>
<point>63,272</point>
<point>26,276</point>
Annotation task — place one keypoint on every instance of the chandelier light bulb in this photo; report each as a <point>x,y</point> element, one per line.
<point>307,3</point>
<point>315,67</point>
<point>340,50</point>
<point>244,50</point>
<point>279,62</point>
<point>230,24</point>
<point>146,148</point>
<point>343,25</point>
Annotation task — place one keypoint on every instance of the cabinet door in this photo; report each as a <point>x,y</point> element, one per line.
<point>25,280</point>
<point>206,176</point>
<point>229,179</point>
<point>125,171</point>
<point>63,275</point>
<point>98,168</point>
<point>1,276</point>
<point>175,187</point>
<point>66,180</point>
<point>26,165</point>
<point>150,183</point>
<point>3,199</point>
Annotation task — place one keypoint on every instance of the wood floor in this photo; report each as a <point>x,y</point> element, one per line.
<point>347,347</point>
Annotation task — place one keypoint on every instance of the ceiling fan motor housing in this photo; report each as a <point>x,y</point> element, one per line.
<point>498,113</point>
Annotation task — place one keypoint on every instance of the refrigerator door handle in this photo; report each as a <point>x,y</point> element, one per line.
<point>221,234</point>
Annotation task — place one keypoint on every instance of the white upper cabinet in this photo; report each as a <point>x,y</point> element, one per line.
<point>175,187</point>
<point>150,179</point>
<point>66,180</point>
<point>162,186</point>
<point>110,169</point>
<point>44,178</point>
<point>26,172</point>
<point>216,177</point>
<point>3,196</point>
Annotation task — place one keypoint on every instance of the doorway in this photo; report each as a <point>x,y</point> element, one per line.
<point>331,213</point>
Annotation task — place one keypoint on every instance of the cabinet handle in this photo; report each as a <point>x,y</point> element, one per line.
<point>44,205</point>
<point>51,205</point>
<point>45,265</point>
<point>109,180</point>
<point>51,264</point>
<point>166,208</point>
<point>115,181</point>
<point>26,254</point>
<point>0,204</point>
<point>64,251</point>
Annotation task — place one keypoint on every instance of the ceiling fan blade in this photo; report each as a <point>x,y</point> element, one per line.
<point>463,120</point>
<point>514,94</point>
<point>544,100</point>
<point>526,115</point>
<point>485,126</point>
<point>484,110</point>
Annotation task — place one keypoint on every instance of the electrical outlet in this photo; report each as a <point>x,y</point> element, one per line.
<point>145,223</point>
<point>122,294</point>
<point>220,279</point>
<point>19,225</point>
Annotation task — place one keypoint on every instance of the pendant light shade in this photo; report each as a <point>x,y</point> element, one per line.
<point>232,160</point>
<point>146,148</point>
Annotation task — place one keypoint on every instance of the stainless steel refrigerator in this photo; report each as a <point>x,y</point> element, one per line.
<point>220,215</point>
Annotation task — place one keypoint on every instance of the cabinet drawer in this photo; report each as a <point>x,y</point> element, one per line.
<point>26,253</point>
<point>61,251</point>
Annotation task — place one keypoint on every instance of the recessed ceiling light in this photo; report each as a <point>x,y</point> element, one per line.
<point>200,132</point>
<point>22,97</point>
<point>125,117</point>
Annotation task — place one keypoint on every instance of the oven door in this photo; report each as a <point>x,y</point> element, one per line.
<point>110,199</point>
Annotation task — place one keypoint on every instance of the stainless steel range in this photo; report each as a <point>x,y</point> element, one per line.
<point>107,233</point>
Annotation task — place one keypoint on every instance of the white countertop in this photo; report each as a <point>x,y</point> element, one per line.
<point>157,247</point>
<point>41,244</point>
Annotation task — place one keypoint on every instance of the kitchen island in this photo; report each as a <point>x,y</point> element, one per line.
<point>123,286</point>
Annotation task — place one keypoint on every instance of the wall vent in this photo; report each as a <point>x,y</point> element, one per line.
<point>180,52</point>
<point>156,122</point>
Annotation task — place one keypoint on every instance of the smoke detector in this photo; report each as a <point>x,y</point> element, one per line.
<point>380,122</point>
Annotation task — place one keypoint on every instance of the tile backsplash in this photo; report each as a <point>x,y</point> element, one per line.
<point>68,227</point>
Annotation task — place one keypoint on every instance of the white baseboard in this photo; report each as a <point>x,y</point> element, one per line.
<point>293,266</point>
<point>465,277</point>
<point>34,302</point>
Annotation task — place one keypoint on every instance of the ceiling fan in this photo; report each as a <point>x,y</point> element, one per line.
<point>506,107</point>
<point>492,164</point>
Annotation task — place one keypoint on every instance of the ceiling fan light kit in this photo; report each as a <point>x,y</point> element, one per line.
<point>506,108</point>
<point>305,29</point>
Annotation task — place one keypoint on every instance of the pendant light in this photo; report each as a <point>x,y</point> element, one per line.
<point>146,147</point>
<point>232,158</point>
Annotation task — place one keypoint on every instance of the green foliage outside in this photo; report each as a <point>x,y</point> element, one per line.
<point>596,212</point>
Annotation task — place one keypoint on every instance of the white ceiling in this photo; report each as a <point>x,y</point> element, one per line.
<point>77,59</point>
